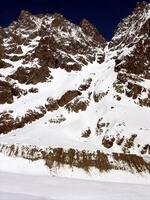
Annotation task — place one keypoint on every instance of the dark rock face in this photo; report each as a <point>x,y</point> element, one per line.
<point>132,43</point>
<point>41,42</point>
<point>68,96</point>
<point>91,31</point>
<point>3,64</point>
<point>131,27</point>
<point>134,65</point>
<point>31,75</point>
<point>79,158</point>
<point>108,142</point>
<point>58,40</point>
<point>7,92</point>
<point>9,123</point>
<point>146,149</point>
<point>77,105</point>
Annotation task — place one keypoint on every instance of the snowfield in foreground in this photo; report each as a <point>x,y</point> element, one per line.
<point>21,179</point>
<point>38,168</point>
<point>28,187</point>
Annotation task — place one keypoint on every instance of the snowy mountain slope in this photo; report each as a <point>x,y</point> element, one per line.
<point>131,41</point>
<point>62,87</point>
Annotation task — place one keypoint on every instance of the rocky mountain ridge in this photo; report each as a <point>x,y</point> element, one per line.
<point>63,86</point>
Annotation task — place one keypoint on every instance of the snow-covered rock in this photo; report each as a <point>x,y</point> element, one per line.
<point>63,87</point>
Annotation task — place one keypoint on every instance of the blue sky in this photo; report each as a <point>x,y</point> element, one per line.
<point>103,14</point>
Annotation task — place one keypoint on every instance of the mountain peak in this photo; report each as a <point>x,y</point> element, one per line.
<point>24,14</point>
<point>133,27</point>
<point>90,30</point>
<point>141,6</point>
<point>63,87</point>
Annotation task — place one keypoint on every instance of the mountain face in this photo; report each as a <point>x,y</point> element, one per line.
<point>131,41</point>
<point>68,96</point>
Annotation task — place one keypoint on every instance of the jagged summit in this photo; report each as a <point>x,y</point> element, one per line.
<point>133,27</point>
<point>65,92</point>
<point>24,14</point>
<point>90,30</point>
<point>55,37</point>
<point>132,44</point>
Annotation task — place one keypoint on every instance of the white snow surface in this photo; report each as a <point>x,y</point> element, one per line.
<point>27,180</point>
<point>20,186</point>
<point>38,168</point>
<point>124,117</point>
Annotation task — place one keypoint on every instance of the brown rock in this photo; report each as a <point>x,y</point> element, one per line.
<point>7,92</point>
<point>91,31</point>
<point>108,141</point>
<point>68,96</point>
<point>31,75</point>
